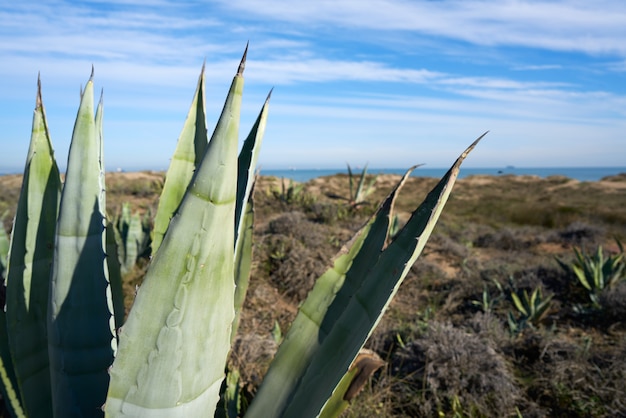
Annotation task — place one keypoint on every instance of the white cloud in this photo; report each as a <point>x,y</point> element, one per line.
<point>540,67</point>
<point>565,25</point>
<point>346,76</point>
<point>325,70</point>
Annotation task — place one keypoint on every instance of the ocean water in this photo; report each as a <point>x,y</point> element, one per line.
<point>577,173</point>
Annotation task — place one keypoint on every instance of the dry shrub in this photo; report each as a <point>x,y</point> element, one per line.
<point>252,354</point>
<point>448,246</point>
<point>506,239</point>
<point>298,252</point>
<point>490,328</point>
<point>577,374</point>
<point>580,234</point>
<point>328,213</point>
<point>290,223</point>
<point>615,178</point>
<point>296,267</point>
<point>579,378</point>
<point>312,234</point>
<point>613,302</point>
<point>448,363</point>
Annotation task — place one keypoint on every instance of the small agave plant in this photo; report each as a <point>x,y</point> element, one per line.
<point>66,349</point>
<point>132,236</point>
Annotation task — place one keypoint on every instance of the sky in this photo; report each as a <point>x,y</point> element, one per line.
<point>390,83</point>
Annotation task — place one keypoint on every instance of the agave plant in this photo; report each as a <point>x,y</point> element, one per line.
<point>532,308</point>
<point>595,272</point>
<point>289,192</point>
<point>360,191</point>
<point>132,236</point>
<point>67,349</point>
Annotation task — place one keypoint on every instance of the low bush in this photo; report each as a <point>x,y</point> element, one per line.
<point>449,370</point>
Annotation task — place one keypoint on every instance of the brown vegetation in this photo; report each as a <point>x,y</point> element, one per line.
<point>447,348</point>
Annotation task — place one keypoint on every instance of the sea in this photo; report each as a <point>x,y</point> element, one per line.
<point>577,173</point>
<point>303,175</point>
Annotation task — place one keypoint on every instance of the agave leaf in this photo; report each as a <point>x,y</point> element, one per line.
<point>81,327</point>
<point>518,304</point>
<point>123,227</point>
<point>132,238</point>
<point>112,270</point>
<point>8,381</point>
<point>4,247</point>
<point>243,263</point>
<point>351,183</point>
<point>359,188</point>
<point>361,194</point>
<point>336,405</point>
<point>542,308</point>
<point>582,277</point>
<point>247,161</point>
<point>115,275</point>
<point>100,139</point>
<point>535,298</point>
<point>28,276</point>
<point>370,188</point>
<point>563,264</point>
<point>244,210</point>
<point>232,397</point>
<point>175,342</point>
<point>598,278</point>
<point>190,149</point>
<point>135,240</point>
<point>361,313</point>
<point>321,309</point>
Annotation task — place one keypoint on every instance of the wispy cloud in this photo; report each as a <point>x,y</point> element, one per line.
<point>324,70</point>
<point>569,25</point>
<point>349,79</point>
<point>540,67</point>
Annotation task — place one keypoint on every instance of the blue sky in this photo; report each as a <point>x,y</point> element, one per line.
<point>391,83</point>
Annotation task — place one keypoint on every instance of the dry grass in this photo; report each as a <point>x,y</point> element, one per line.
<point>443,353</point>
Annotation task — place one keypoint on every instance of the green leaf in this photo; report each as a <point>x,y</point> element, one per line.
<point>8,381</point>
<point>81,327</point>
<point>132,237</point>
<point>4,247</point>
<point>233,400</point>
<point>243,263</point>
<point>360,314</point>
<point>541,308</point>
<point>244,210</point>
<point>518,304</point>
<point>582,278</point>
<point>358,196</point>
<point>247,161</point>
<point>190,149</point>
<point>175,342</point>
<point>321,309</point>
<point>535,298</point>
<point>28,276</point>
<point>351,183</point>
<point>113,269</point>
<point>100,140</point>
<point>115,275</point>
